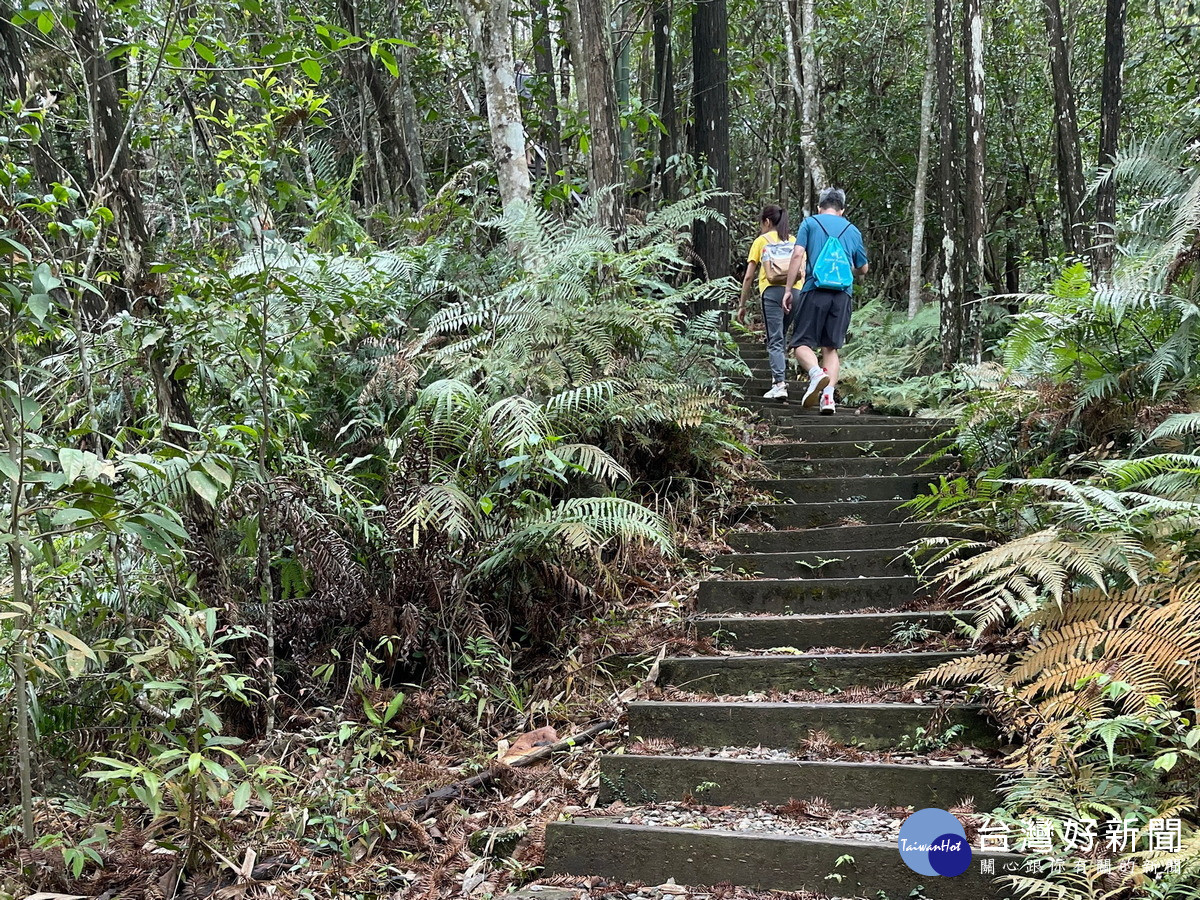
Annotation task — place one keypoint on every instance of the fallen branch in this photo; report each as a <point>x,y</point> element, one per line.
<point>485,778</point>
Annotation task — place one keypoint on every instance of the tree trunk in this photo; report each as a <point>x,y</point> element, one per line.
<point>607,179</point>
<point>1066,126</point>
<point>949,177</point>
<point>491,34</point>
<point>664,95</point>
<point>1110,127</point>
<point>410,130</point>
<point>918,230</point>
<point>549,130</point>
<point>710,136</point>
<point>804,83</point>
<point>974,199</point>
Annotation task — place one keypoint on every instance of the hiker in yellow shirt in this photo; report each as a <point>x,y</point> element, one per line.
<point>769,258</point>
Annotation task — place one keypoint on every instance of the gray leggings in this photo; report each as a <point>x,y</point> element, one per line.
<point>778,322</point>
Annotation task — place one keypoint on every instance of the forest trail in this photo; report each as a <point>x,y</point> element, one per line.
<point>822,623</point>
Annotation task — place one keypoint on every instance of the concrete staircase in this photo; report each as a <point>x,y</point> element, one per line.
<point>831,578</point>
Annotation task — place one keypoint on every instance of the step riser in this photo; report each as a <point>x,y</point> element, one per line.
<point>812,427</point>
<point>805,597</point>
<point>828,564</point>
<point>744,782</point>
<point>755,674</point>
<point>847,491</point>
<point>850,632</point>
<point>849,537</point>
<point>824,515</point>
<point>855,468</point>
<point>629,853</point>
<point>783,726</point>
<point>847,449</point>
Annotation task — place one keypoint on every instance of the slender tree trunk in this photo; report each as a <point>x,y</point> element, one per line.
<point>578,54</point>
<point>948,192</point>
<point>622,43</point>
<point>607,180</point>
<point>410,131</point>
<point>975,203</point>
<point>918,230</point>
<point>1110,127</point>
<point>1066,126</point>
<point>803,77</point>
<point>664,94</point>
<point>491,33</point>
<point>543,60</point>
<point>710,136</point>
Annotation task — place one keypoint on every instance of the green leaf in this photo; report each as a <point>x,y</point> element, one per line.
<point>9,468</point>
<point>71,515</point>
<point>203,485</point>
<point>312,69</point>
<point>205,53</point>
<point>39,306</point>
<point>241,797</point>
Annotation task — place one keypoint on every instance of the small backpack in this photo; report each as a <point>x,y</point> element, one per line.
<point>776,258</point>
<point>832,269</point>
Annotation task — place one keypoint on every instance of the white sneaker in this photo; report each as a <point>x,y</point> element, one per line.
<point>816,384</point>
<point>777,392</point>
<point>827,407</point>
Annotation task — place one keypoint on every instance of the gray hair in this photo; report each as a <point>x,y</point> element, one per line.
<point>831,197</point>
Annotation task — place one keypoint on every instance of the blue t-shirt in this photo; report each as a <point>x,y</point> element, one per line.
<point>812,239</point>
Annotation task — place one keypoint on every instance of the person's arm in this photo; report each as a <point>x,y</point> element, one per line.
<point>747,287</point>
<point>861,266</point>
<point>795,268</point>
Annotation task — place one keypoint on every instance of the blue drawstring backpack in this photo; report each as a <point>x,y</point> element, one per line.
<point>832,270</point>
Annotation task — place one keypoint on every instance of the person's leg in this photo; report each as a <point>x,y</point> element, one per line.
<point>773,318</point>
<point>806,358</point>
<point>832,362</point>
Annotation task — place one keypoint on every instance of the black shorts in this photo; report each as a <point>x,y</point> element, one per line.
<point>821,318</point>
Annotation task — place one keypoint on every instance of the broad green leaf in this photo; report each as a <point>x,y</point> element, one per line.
<point>241,797</point>
<point>312,69</point>
<point>203,485</point>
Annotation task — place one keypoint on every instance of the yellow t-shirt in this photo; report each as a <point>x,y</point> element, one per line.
<point>756,251</point>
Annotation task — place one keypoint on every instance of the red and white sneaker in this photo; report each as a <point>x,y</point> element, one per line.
<point>827,405</point>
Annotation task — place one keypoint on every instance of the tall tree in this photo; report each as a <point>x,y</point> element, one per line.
<point>1111,89</point>
<point>664,93</point>
<point>922,181</point>
<point>974,194</point>
<point>605,172</point>
<point>543,60</point>
<point>949,179</point>
<point>710,134</point>
<point>1066,130</point>
<point>491,34</point>
<point>803,77</point>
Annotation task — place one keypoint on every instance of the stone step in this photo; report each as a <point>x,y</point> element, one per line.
<point>636,779</point>
<point>808,596</point>
<point>856,467</point>
<point>847,491</point>
<point>638,853</point>
<point>846,537</point>
<point>848,449</point>
<point>850,631</point>
<point>804,563</point>
<point>782,726</point>
<point>809,426</point>
<point>828,515</point>
<point>725,675</point>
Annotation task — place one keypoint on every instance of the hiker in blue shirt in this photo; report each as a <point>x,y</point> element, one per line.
<point>831,252</point>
